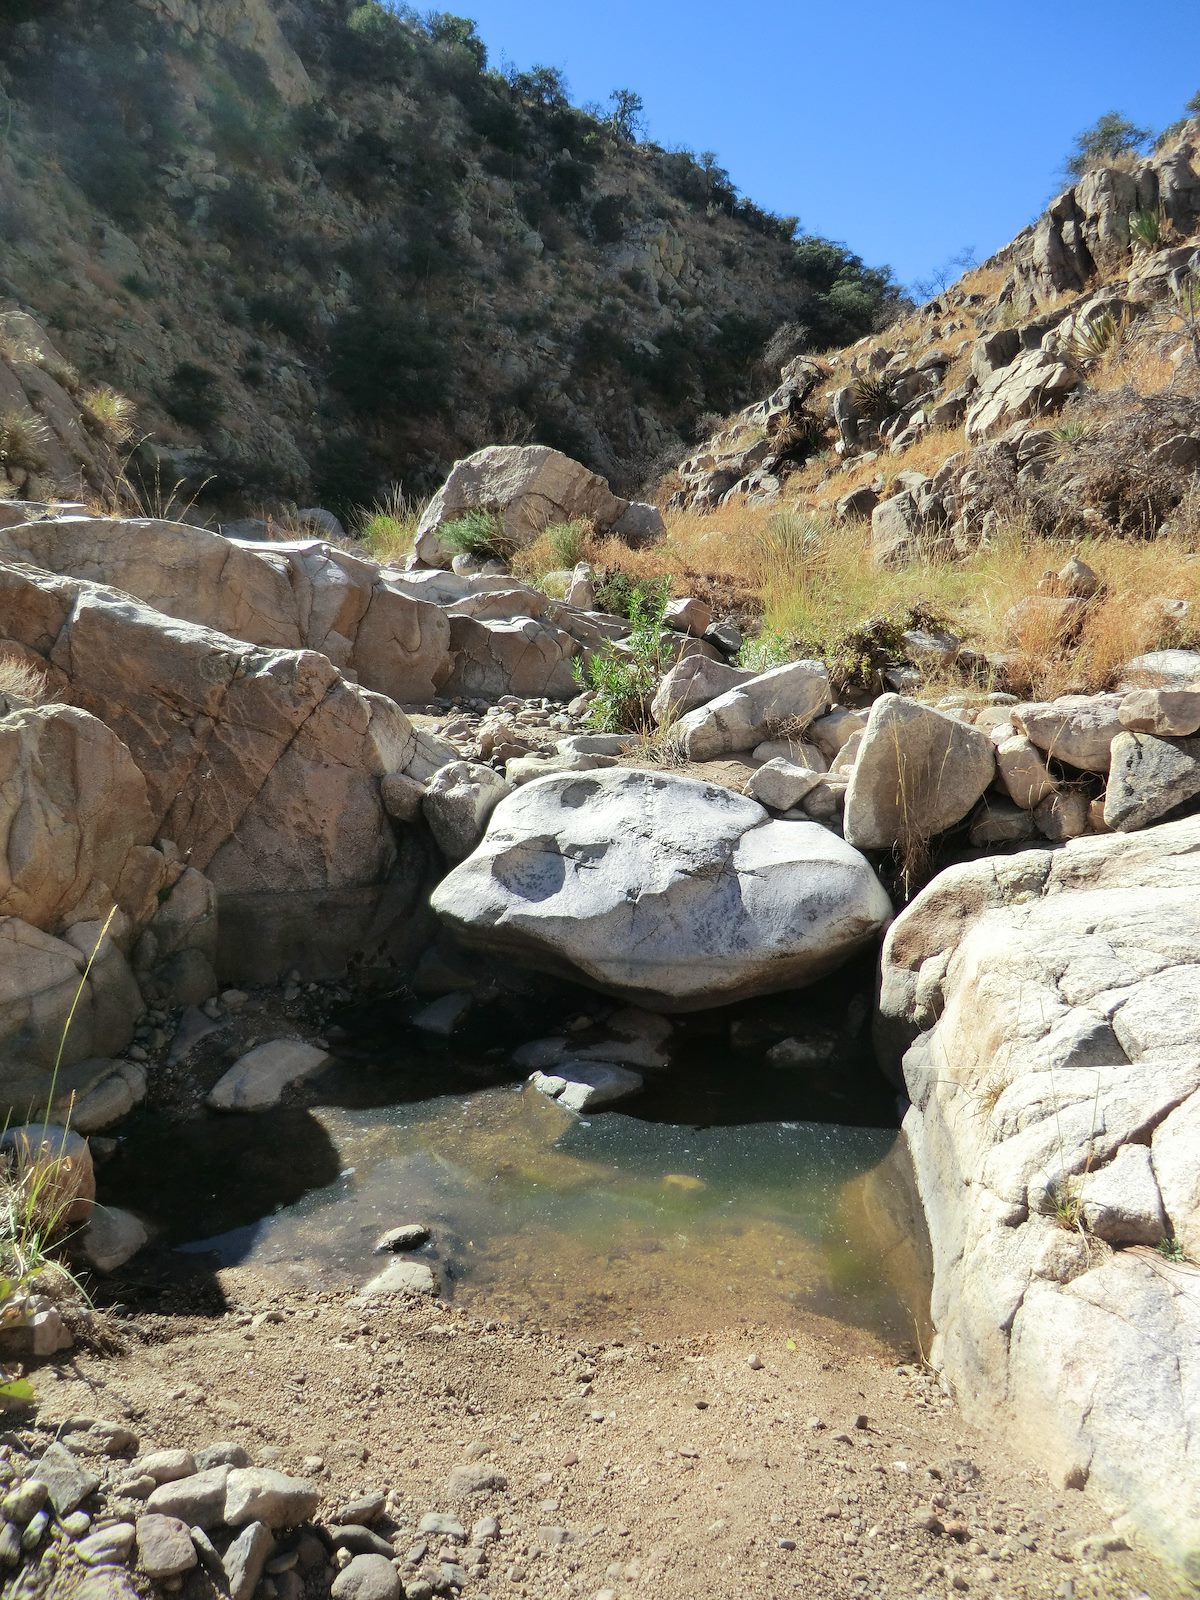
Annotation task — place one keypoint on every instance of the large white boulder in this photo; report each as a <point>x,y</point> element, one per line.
<point>662,889</point>
<point>1055,1088</point>
<point>785,697</point>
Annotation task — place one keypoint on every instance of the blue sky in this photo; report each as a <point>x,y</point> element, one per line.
<point>905,131</point>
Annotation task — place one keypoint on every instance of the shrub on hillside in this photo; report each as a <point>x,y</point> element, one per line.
<point>388,359</point>
<point>193,396</point>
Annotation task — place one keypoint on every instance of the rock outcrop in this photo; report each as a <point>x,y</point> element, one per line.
<point>661,889</point>
<point>1055,1088</point>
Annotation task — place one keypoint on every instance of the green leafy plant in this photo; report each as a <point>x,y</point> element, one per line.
<point>623,596</point>
<point>389,527</point>
<point>1171,1250</point>
<point>1102,335</point>
<point>193,396</point>
<point>1147,228</point>
<point>769,649</point>
<point>567,541</point>
<point>872,396</point>
<point>623,676</point>
<point>477,533</point>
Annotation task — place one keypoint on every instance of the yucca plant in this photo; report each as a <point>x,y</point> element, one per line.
<point>872,395</point>
<point>1102,335</point>
<point>1147,229</point>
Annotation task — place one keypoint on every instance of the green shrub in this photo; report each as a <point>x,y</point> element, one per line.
<point>567,541</point>
<point>479,534</point>
<point>193,396</point>
<point>623,596</point>
<point>623,678</point>
<point>389,358</point>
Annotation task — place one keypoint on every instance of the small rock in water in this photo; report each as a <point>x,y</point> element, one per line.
<point>443,1016</point>
<point>408,1236</point>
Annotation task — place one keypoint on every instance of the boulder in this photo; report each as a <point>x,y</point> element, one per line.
<point>662,889</point>
<point>74,813</point>
<point>917,773</point>
<point>514,655</point>
<point>527,488</point>
<point>753,711</point>
<point>1149,777</point>
<point>263,766</point>
<point>257,1080</point>
<point>298,594</point>
<point>693,682</point>
<point>259,1494</point>
<point>1032,385</point>
<point>1076,729</point>
<point>58,1163</point>
<point>1163,669</point>
<point>459,799</point>
<point>1023,771</point>
<point>1044,1006</point>
<point>779,784</point>
<point>688,616</point>
<point>1169,713</point>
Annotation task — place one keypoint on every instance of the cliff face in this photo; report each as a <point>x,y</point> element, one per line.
<point>323,248</point>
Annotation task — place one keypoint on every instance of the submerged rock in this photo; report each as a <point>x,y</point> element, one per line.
<point>662,889</point>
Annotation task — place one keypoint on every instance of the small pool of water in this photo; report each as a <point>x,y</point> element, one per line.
<point>699,1204</point>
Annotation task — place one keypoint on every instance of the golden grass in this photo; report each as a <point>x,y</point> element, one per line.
<point>812,583</point>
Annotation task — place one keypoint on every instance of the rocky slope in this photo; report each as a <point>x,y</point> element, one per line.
<point>323,249</point>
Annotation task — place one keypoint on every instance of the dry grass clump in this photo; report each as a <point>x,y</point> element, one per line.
<point>112,413</point>
<point>389,527</point>
<point>23,440</point>
<point>21,680</point>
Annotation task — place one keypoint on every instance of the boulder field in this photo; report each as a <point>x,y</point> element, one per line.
<point>298,762</point>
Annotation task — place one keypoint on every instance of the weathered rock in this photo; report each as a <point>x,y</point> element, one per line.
<point>1163,669</point>
<point>1034,384</point>
<point>917,772</point>
<point>693,682</point>
<point>779,785</point>
<point>258,1078</point>
<point>527,488</point>
<point>662,889</point>
<point>246,1557</point>
<point>1057,994</point>
<point>1063,815</point>
<point>587,1085</point>
<point>199,1500</point>
<point>1023,771</point>
<point>259,1494</point>
<point>1168,713</point>
<point>108,1546</point>
<point>67,1481</point>
<point>165,1548</point>
<point>59,1162</point>
<point>371,1577</point>
<point>1076,729</point>
<point>445,1014</point>
<point>112,1238</point>
<point>401,1277</point>
<point>263,766</point>
<point>516,655</point>
<point>1149,777</point>
<point>688,616</point>
<point>896,529</point>
<point>1121,1202</point>
<point>1000,822</point>
<point>830,732</point>
<point>746,715</point>
<point>459,799</point>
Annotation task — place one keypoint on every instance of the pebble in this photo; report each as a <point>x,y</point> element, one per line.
<point>166,1466</point>
<point>437,1522</point>
<point>359,1540</point>
<point>364,1510</point>
<point>10,1545</point>
<point>754,1363</point>
<point>67,1483</point>
<point>35,1530</point>
<point>475,1477</point>
<point>21,1503</point>
<point>246,1558</point>
<point>222,1454</point>
<point>486,1529</point>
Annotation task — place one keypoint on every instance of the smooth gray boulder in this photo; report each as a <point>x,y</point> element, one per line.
<point>1077,729</point>
<point>671,892</point>
<point>791,695</point>
<point>916,773</point>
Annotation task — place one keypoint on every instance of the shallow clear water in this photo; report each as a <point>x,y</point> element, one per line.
<point>698,1204</point>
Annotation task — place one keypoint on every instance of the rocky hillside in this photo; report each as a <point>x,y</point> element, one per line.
<point>323,248</point>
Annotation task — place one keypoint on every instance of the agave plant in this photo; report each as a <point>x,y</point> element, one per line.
<point>1147,228</point>
<point>1101,335</point>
